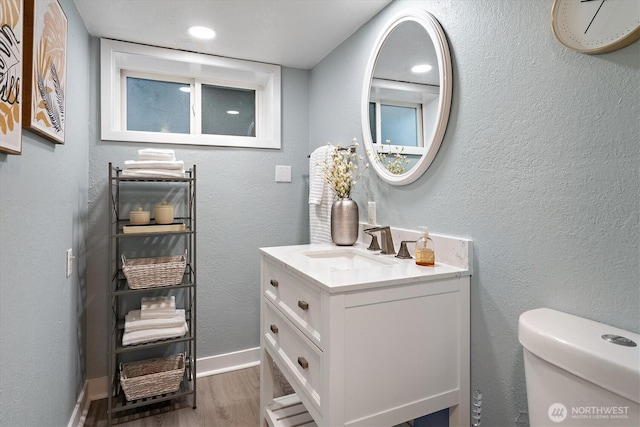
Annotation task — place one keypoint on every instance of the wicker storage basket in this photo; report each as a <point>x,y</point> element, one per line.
<point>152,377</point>
<point>154,272</point>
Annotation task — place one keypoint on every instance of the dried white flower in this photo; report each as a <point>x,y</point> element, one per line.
<point>340,173</point>
<point>396,163</point>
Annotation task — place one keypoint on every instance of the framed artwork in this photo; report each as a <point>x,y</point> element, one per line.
<point>11,17</point>
<point>45,69</point>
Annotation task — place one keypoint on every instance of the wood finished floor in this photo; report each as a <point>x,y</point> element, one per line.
<point>229,399</point>
<point>224,400</point>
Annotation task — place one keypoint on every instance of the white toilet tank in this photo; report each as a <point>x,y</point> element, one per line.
<point>574,376</point>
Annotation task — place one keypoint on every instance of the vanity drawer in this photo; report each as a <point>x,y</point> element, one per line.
<point>298,301</point>
<point>272,324</point>
<point>301,359</point>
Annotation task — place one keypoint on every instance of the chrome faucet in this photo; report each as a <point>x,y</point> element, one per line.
<point>373,246</point>
<point>386,239</point>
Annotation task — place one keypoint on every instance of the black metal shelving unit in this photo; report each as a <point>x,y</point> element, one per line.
<point>119,288</point>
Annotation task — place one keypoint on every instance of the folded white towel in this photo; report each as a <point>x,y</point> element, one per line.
<point>148,335</point>
<point>157,314</point>
<point>321,195</point>
<point>154,164</point>
<point>134,322</point>
<point>156,154</point>
<point>163,302</point>
<point>152,173</point>
<point>157,307</point>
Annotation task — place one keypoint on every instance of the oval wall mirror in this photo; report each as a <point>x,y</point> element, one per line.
<point>406,96</point>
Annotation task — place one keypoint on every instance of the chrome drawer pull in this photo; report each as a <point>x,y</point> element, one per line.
<point>303,362</point>
<point>274,329</point>
<point>303,305</point>
<point>274,283</point>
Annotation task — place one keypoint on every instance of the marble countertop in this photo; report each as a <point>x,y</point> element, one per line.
<point>357,268</point>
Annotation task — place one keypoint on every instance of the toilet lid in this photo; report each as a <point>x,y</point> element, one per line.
<point>576,345</point>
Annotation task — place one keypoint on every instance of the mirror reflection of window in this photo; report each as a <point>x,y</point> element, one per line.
<point>157,106</point>
<point>396,124</point>
<point>403,113</point>
<point>372,122</point>
<point>399,124</point>
<point>404,91</point>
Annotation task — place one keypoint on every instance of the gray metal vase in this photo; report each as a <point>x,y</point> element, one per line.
<point>344,222</point>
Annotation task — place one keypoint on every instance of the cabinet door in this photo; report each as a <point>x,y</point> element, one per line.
<point>401,350</point>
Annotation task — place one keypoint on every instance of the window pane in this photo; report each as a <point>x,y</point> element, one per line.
<point>372,121</point>
<point>157,106</point>
<point>399,125</point>
<point>228,111</point>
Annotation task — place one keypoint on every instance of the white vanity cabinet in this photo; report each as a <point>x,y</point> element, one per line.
<point>373,345</point>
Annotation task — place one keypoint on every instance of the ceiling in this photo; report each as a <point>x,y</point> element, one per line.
<point>291,33</point>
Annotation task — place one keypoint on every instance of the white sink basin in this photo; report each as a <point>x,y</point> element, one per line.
<point>348,259</point>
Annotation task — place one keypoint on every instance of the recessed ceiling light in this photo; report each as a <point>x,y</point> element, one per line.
<point>233,112</point>
<point>422,68</point>
<point>201,32</point>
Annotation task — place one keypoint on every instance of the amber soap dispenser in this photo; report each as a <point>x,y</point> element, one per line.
<point>424,249</point>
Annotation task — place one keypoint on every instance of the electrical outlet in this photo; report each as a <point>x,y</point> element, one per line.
<point>70,258</point>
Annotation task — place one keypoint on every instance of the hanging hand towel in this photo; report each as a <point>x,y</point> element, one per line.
<point>321,196</point>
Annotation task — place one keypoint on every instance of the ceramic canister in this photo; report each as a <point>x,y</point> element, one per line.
<point>139,217</point>
<point>164,213</point>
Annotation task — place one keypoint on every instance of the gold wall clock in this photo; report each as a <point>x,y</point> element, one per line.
<point>596,26</point>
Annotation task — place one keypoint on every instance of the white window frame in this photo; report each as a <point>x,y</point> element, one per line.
<point>197,108</point>
<point>391,148</point>
<point>148,76</point>
<point>121,58</point>
<point>408,95</point>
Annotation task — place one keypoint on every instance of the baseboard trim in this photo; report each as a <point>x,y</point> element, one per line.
<point>79,414</point>
<point>96,388</point>
<point>228,362</point>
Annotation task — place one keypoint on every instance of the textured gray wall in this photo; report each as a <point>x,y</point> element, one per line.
<point>43,212</point>
<point>539,167</point>
<point>240,208</point>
